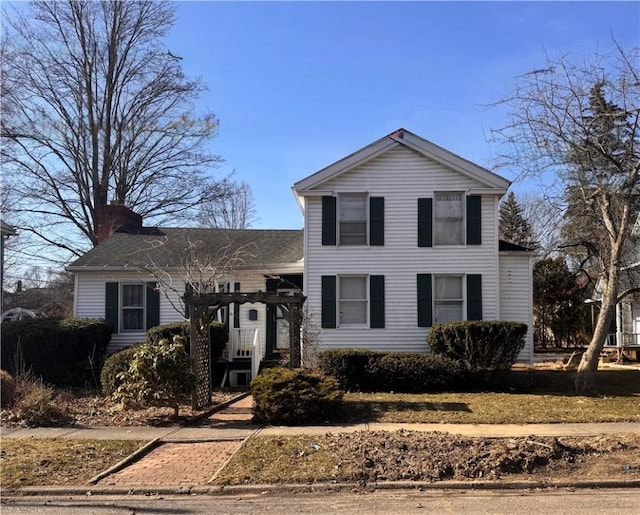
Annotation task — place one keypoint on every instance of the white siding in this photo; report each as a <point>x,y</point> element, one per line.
<point>401,177</point>
<point>516,295</point>
<point>90,301</point>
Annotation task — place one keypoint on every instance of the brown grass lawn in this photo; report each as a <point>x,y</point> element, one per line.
<point>34,462</point>
<point>540,396</point>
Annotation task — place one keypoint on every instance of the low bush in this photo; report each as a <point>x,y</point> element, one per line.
<point>416,373</point>
<point>35,404</point>
<point>351,368</point>
<point>294,396</point>
<point>114,366</point>
<point>480,346</point>
<point>61,351</point>
<point>159,374</point>
<point>7,388</point>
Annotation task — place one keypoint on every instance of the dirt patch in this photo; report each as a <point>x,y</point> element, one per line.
<point>373,456</point>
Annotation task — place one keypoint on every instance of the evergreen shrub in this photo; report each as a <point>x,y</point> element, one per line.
<point>114,366</point>
<point>479,346</point>
<point>416,373</point>
<point>60,351</point>
<point>294,396</point>
<point>159,374</point>
<point>351,368</point>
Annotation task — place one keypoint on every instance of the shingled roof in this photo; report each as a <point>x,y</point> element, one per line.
<point>167,247</point>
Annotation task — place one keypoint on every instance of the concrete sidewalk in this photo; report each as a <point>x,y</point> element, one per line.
<point>234,432</point>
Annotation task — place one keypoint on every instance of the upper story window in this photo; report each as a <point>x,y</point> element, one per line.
<point>353,218</point>
<point>448,218</point>
<point>133,307</point>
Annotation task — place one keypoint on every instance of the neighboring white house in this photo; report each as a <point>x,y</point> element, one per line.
<point>625,333</point>
<point>403,234</point>
<point>398,236</point>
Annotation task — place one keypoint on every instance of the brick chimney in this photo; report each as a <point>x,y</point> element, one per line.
<point>116,218</point>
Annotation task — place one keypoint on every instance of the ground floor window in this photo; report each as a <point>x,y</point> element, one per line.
<point>352,302</point>
<point>133,307</point>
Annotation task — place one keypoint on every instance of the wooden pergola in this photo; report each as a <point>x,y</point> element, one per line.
<point>204,307</point>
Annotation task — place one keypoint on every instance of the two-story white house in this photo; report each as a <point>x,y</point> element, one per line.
<point>398,236</point>
<point>403,234</point>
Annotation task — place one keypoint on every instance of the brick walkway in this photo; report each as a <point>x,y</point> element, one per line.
<point>189,463</point>
<point>175,464</point>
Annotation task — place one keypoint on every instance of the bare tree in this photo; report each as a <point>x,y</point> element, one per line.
<point>577,126</point>
<point>236,210</point>
<point>96,109</point>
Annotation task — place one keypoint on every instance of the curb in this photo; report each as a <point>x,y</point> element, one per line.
<point>325,487</point>
<point>134,456</point>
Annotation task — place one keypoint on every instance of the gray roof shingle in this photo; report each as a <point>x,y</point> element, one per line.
<point>168,247</point>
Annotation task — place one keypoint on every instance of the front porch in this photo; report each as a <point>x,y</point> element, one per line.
<point>620,346</point>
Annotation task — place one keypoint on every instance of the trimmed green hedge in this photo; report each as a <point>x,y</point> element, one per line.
<point>416,373</point>
<point>479,346</point>
<point>369,371</point>
<point>62,351</point>
<point>351,368</point>
<point>294,396</point>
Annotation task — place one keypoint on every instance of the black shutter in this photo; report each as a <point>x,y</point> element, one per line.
<point>425,307</point>
<point>474,220</point>
<point>474,297</point>
<point>376,223</point>
<point>376,301</point>
<point>328,220</point>
<point>153,306</point>
<point>236,308</point>
<point>111,305</point>
<point>328,295</point>
<point>425,223</point>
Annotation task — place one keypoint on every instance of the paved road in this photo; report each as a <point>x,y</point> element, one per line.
<point>579,502</point>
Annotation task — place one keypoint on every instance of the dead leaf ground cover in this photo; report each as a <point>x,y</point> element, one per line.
<point>369,456</point>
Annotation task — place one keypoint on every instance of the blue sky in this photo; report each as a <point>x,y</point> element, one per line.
<point>299,85</point>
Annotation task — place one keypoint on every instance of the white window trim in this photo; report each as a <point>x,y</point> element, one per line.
<point>122,307</point>
<point>366,196</point>
<point>464,220</point>
<point>364,325</point>
<point>463,280</point>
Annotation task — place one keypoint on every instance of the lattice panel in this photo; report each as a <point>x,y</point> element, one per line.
<point>201,367</point>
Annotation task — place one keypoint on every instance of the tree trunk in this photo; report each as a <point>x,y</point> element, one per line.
<point>584,381</point>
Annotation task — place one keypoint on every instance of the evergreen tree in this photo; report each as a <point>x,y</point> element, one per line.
<point>513,226</point>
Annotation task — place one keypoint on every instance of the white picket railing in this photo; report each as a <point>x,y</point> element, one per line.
<point>258,354</point>
<point>240,343</point>
<point>626,340</point>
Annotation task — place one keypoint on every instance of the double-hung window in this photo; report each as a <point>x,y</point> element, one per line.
<point>353,218</point>
<point>448,218</point>
<point>133,307</point>
<point>448,300</point>
<point>352,301</point>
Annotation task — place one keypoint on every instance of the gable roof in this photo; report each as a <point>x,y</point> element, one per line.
<point>407,139</point>
<point>166,248</point>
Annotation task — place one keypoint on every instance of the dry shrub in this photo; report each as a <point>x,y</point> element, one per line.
<point>36,405</point>
<point>7,388</point>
